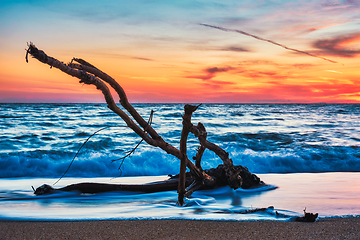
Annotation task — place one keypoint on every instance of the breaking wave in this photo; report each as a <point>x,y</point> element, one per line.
<point>40,140</point>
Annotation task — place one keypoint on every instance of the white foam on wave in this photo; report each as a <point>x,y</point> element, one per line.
<point>152,161</point>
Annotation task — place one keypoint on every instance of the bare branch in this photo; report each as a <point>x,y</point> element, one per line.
<point>198,156</point>
<point>120,91</point>
<point>89,74</point>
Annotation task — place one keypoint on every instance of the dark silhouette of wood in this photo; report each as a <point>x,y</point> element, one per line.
<point>308,217</point>
<point>217,174</point>
<point>160,186</point>
<point>197,178</point>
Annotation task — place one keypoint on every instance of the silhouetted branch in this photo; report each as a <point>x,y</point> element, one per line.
<point>226,174</point>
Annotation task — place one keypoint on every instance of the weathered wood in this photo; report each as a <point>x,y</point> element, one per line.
<point>119,90</point>
<point>233,175</point>
<point>217,174</point>
<point>308,217</point>
<point>87,78</point>
<point>226,174</point>
<point>89,187</point>
<point>188,109</point>
<point>198,156</point>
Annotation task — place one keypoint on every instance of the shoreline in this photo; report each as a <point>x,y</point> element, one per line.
<point>325,228</point>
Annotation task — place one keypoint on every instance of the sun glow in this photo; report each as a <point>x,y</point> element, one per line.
<point>158,58</point>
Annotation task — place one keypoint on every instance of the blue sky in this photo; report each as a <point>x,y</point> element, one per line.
<point>161,53</point>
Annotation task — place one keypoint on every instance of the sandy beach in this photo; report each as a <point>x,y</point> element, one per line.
<point>340,228</point>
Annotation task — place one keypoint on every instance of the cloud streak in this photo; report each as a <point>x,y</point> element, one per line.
<point>235,49</point>
<point>210,73</point>
<point>267,40</point>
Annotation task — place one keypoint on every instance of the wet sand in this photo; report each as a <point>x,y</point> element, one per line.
<point>339,228</point>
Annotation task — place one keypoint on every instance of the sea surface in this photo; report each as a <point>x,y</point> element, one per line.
<point>308,154</point>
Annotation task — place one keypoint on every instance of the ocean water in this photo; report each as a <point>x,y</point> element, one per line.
<point>307,153</point>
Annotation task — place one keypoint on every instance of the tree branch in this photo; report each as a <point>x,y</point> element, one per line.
<point>89,74</point>
<point>189,109</point>
<point>120,91</point>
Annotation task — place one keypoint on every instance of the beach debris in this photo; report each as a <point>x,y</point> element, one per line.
<point>308,217</point>
<point>44,189</point>
<point>187,183</point>
<point>218,174</point>
<point>248,211</point>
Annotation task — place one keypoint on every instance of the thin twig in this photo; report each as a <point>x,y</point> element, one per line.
<point>81,148</point>
<point>133,150</point>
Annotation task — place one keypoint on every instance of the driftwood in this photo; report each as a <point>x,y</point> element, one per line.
<point>308,217</point>
<point>218,174</point>
<point>185,183</point>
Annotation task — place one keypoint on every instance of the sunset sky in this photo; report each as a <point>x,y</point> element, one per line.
<point>161,51</point>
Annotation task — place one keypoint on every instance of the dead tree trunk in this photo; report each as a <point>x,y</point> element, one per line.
<point>230,174</point>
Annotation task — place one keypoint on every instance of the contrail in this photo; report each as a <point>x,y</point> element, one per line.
<point>266,40</point>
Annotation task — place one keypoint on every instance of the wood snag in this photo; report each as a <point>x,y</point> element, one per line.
<point>186,182</point>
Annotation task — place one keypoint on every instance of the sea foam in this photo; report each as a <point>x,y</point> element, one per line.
<point>40,140</point>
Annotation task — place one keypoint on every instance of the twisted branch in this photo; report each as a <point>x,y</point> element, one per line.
<point>89,74</point>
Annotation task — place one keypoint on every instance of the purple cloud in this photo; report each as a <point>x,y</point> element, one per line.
<point>337,46</point>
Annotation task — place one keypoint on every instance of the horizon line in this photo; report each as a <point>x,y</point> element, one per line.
<point>183,103</point>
